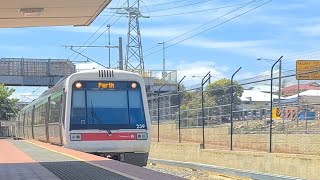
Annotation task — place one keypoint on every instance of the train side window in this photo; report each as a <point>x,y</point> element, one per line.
<point>55,109</point>
<point>136,108</point>
<point>78,112</point>
<point>43,114</point>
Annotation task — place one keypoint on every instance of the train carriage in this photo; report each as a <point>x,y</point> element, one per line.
<point>97,111</point>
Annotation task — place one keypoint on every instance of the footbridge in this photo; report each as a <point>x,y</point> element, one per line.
<point>34,72</point>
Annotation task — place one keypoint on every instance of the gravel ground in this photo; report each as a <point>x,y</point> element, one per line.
<point>191,174</point>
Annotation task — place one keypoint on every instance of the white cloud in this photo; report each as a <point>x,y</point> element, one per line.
<point>161,32</point>
<point>256,49</point>
<point>224,44</point>
<point>23,96</point>
<point>12,31</point>
<point>27,94</point>
<point>312,30</point>
<point>196,70</point>
<point>87,66</point>
<point>86,29</point>
<point>289,6</point>
<point>150,32</point>
<point>13,48</point>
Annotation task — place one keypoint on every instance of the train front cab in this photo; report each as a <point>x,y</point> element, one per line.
<point>109,118</point>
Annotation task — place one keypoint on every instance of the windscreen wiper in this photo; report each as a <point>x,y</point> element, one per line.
<point>94,115</point>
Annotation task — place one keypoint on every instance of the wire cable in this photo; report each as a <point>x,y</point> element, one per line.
<point>173,2</point>
<point>245,4</point>
<point>100,35</point>
<point>175,7</point>
<point>94,33</point>
<point>213,26</point>
<point>200,11</point>
<point>232,11</point>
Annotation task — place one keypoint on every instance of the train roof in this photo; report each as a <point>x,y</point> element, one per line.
<point>94,72</point>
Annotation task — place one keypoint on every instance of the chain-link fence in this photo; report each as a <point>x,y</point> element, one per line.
<point>204,117</point>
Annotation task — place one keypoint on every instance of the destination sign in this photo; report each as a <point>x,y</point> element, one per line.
<point>107,85</point>
<point>308,70</point>
<point>104,85</point>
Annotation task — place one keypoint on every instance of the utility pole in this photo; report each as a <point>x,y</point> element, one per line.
<point>279,99</point>
<point>109,43</point>
<point>120,54</point>
<point>164,59</point>
<point>271,105</point>
<point>298,103</point>
<point>280,68</point>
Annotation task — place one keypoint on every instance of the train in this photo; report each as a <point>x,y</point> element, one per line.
<point>102,112</point>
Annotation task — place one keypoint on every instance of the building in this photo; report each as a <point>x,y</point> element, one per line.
<point>21,105</point>
<point>265,88</point>
<point>292,90</point>
<point>255,99</point>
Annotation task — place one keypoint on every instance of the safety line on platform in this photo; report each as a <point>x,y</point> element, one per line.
<point>108,169</point>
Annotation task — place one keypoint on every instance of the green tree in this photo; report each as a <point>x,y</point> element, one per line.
<point>7,105</point>
<point>220,92</point>
<point>191,106</point>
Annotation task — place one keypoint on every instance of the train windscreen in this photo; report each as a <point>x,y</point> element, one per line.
<point>107,106</point>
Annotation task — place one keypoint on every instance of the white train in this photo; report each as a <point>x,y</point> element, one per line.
<point>103,112</point>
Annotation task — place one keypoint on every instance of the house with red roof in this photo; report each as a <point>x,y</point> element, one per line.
<point>291,90</point>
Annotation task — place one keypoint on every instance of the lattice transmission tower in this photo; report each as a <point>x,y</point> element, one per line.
<point>134,57</point>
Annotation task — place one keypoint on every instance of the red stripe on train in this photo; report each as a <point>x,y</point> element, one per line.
<point>106,136</point>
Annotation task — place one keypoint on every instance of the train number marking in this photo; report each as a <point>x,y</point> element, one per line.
<point>140,126</point>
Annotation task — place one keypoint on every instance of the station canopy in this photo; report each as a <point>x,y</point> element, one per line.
<point>37,13</point>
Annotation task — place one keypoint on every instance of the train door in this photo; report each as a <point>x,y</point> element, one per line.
<point>27,124</point>
<point>32,121</point>
<point>47,120</point>
<point>18,127</point>
<point>23,124</point>
<point>62,116</point>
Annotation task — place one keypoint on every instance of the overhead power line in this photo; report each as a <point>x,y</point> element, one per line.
<point>200,11</point>
<point>118,3</point>
<point>191,12</point>
<point>220,23</point>
<point>245,4</point>
<point>305,53</point>
<point>215,19</point>
<point>173,2</point>
<point>175,7</point>
<point>97,37</point>
<point>103,25</point>
<point>213,26</point>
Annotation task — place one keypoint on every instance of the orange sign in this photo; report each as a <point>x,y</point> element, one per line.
<point>305,66</point>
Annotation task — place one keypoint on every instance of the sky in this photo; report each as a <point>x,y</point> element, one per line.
<point>232,37</point>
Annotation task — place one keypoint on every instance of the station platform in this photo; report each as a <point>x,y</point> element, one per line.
<point>33,160</point>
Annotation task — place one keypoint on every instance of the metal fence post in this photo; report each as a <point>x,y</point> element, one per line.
<point>231,109</point>
<point>306,118</point>
<point>179,97</point>
<point>203,82</point>
<point>158,116</point>
<point>298,103</point>
<point>158,99</point>
<point>271,103</point>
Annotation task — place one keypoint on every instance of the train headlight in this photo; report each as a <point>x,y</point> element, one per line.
<point>142,136</point>
<point>75,137</point>
<point>133,85</point>
<point>78,85</point>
